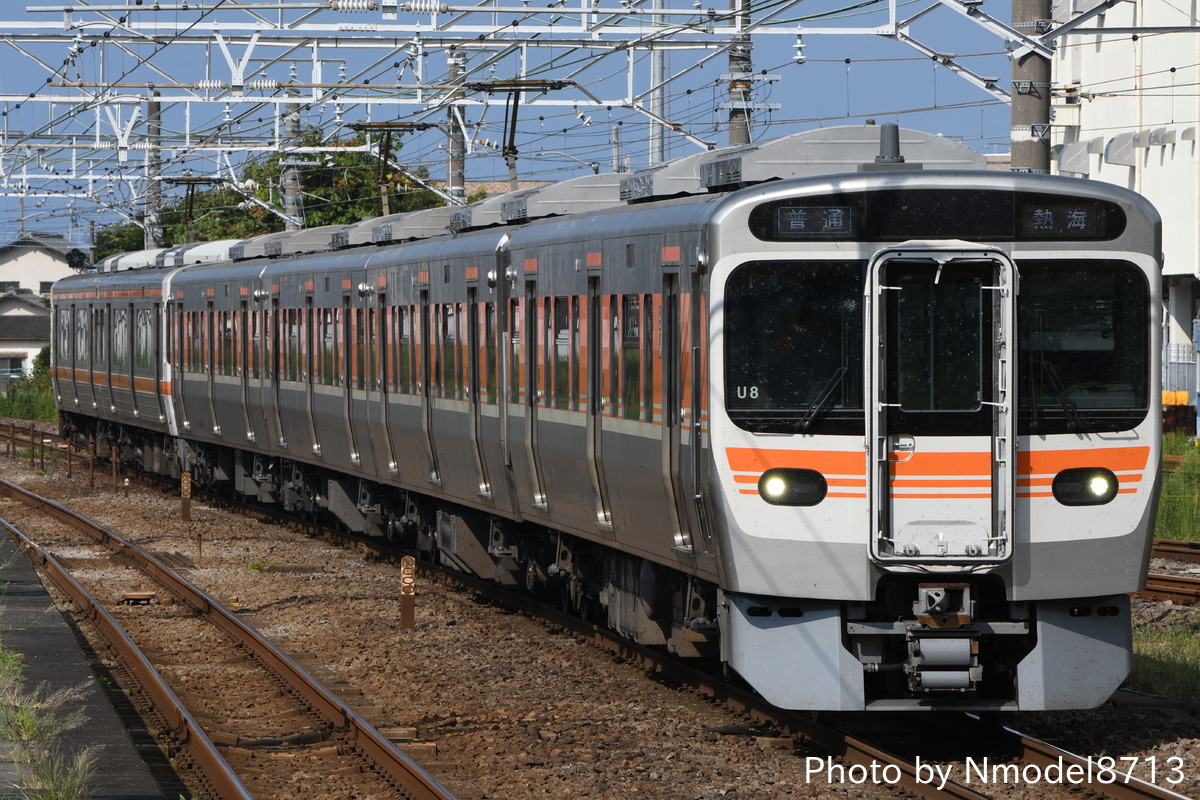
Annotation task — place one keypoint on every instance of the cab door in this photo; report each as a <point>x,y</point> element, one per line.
<point>940,428</point>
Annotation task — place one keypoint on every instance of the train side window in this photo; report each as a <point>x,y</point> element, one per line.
<point>631,357</point>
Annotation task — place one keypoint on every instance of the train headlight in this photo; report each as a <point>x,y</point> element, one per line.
<point>1085,486</point>
<point>792,487</point>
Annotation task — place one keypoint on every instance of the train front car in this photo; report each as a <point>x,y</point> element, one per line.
<point>935,437</point>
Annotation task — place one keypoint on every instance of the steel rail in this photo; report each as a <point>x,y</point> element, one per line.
<point>836,742</point>
<point>399,767</point>
<point>1176,588</point>
<point>219,777</point>
<point>1091,772</point>
<point>1177,550</point>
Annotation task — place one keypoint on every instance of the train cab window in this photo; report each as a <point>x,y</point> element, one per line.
<point>794,346</point>
<point>1083,339</point>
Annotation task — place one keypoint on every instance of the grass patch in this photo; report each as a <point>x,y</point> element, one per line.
<point>1166,660</point>
<point>1179,506</point>
<point>50,775</point>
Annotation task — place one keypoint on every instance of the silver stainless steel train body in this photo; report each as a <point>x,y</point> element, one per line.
<point>884,439</point>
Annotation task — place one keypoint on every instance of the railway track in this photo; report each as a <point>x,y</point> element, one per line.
<point>1033,761</point>
<point>850,751</point>
<point>270,724</point>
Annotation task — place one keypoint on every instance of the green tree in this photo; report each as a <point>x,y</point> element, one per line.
<point>120,238</point>
<point>338,188</point>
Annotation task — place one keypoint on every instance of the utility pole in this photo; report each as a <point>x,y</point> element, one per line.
<point>153,230</point>
<point>1031,92</point>
<point>456,136</point>
<point>740,69</point>
<point>290,181</point>
<point>657,74</point>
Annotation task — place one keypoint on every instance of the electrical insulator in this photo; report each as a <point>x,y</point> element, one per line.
<point>425,7</point>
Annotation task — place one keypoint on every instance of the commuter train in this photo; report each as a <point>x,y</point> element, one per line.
<point>878,431</point>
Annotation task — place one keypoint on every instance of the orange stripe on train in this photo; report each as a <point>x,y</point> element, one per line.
<point>746,459</point>
<point>1051,462</point>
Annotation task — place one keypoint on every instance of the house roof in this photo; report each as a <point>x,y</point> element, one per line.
<point>24,328</point>
<point>24,300</point>
<point>76,257</point>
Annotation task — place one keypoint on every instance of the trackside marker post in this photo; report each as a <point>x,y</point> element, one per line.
<point>408,592</point>
<point>185,494</point>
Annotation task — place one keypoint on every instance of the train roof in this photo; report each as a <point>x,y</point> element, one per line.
<point>825,151</point>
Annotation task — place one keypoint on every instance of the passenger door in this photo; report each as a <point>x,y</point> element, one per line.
<point>940,342</point>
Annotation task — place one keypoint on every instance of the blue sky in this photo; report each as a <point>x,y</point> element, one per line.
<point>840,79</point>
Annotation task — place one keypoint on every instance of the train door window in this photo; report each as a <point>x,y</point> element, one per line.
<point>215,322</point>
<point>307,354</point>
<point>295,342</point>
<point>372,359</point>
<point>144,338</point>
<point>100,352</point>
<point>487,378</point>
<point>385,379</point>
<point>227,365</point>
<point>938,336</point>
<point>652,339</point>
<point>610,357</point>
<point>83,347</point>
<point>437,359</point>
<point>256,344</point>
<point>270,333</point>
<point>462,344</point>
<point>631,357</point>
<point>207,333</point>
<point>362,349</point>
<point>447,351</point>
<point>241,341</point>
<point>561,358</point>
<point>546,355</point>
<point>533,384</point>
<point>325,346</point>
<point>404,348</point>
<point>472,348</point>
<point>196,340</point>
<point>579,378</point>
<point>120,338</point>
<point>516,376</point>
<point>339,346</point>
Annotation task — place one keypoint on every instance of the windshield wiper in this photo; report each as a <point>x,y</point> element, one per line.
<point>822,400</point>
<point>1074,421</point>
